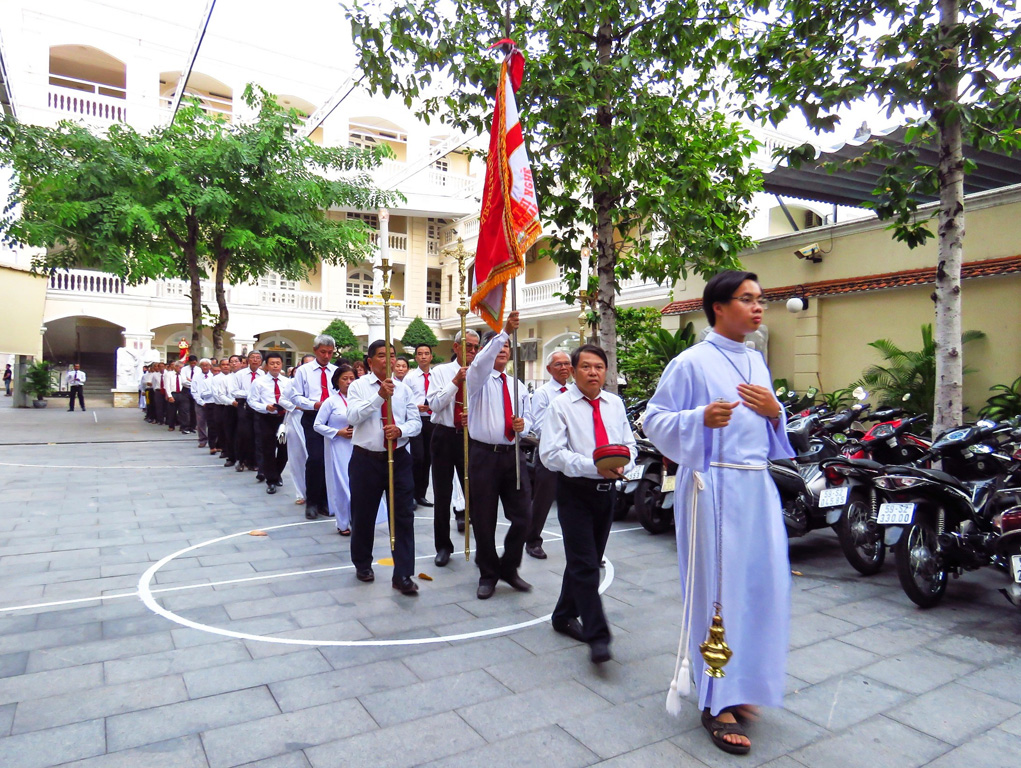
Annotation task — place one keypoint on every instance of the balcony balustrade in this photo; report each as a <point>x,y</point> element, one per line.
<point>397,241</point>
<point>86,281</point>
<point>82,99</point>
<point>299,300</point>
<point>433,311</point>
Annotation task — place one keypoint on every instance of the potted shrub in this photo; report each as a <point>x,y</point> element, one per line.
<point>37,382</point>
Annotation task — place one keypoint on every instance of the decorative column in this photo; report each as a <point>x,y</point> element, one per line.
<point>807,348</point>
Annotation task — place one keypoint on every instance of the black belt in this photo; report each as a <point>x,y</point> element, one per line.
<point>492,447</point>
<point>374,454</point>
<point>448,429</point>
<point>589,483</point>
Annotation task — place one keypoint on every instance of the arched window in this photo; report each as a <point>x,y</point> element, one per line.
<point>359,283</point>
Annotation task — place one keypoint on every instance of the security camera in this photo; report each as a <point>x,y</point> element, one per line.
<point>811,252</point>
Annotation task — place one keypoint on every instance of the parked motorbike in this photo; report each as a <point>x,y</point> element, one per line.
<point>1008,549</point>
<point>943,521</point>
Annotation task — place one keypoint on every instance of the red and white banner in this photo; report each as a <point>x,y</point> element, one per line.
<point>509,224</point>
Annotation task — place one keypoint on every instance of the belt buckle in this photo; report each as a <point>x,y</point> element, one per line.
<point>604,486</point>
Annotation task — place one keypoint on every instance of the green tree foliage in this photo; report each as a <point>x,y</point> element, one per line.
<point>1005,403</point>
<point>348,345</point>
<point>197,198</point>
<point>945,67</point>
<point>908,372</point>
<point>417,333</point>
<point>635,362</point>
<point>620,111</point>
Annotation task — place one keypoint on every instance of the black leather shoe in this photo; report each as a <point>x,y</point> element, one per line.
<point>599,651</point>
<point>222,455</point>
<point>423,503</point>
<point>571,628</point>
<point>229,463</point>
<point>460,525</point>
<point>239,468</point>
<point>442,558</point>
<point>366,575</point>
<point>518,583</point>
<point>536,552</point>
<point>405,585</point>
<point>485,591</point>
<point>310,514</point>
<point>271,488</point>
<point>260,477</point>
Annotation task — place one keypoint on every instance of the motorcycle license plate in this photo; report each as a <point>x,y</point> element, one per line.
<point>636,473</point>
<point>898,513</point>
<point>1015,567</point>
<point>833,497</point>
<point>669,482</point>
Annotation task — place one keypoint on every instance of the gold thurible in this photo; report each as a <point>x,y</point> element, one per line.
<point>461,254</point>
<point>715,650</point>
<point>386,294</point>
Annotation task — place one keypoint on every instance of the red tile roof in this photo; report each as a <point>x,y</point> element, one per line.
<point>909,277</point>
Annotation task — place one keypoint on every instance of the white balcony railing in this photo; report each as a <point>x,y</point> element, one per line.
<point>433,311</point>
<point>388,168</point>
<point>397,240</point>
<point>86,281</point>
<point>281,297</point>
<point>73,104</point>
<point>454,183</point>
<point>181,289</point>
<point>466,229</point>
<point>541,292</point>
<point>354,304</point>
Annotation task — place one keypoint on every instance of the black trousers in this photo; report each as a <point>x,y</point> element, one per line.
<point>229,431</point>
<point>421,457</point>
<point>245,436</point>
<point>202,420</point>
<point>185,409</point>
<point>274,454</point>
<point>79,391</point>
<point>369,480</point>
<point>159,405</point>
<point>315,464</point>
<point>150,406</point>
<point>586,515</point>
<point>544,490</point>
<point>492,480</point>
<point>171,409</point>
<point>447,453</point>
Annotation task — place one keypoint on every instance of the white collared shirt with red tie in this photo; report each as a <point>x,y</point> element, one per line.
<point>75,378</point>
<point>269,390</point>
<point>241,381</point>
<point>490,397</point>
<point>569,432</point>
<point>421,384</point>
<point>173,382</point>
<point>541,400</point>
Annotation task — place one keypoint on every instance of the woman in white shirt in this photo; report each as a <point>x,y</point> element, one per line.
<point>331,423</point>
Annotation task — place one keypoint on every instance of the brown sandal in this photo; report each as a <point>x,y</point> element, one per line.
<point>718,729</point>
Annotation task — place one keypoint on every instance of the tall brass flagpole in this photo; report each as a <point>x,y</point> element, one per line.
<point>386,294</point>
<point>460,254</point>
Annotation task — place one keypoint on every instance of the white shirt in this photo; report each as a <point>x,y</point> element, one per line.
<point>443,393</point>
<point>241,381</point>
<point>486,418</point>
<point>202,388</point>
<point>221,389</point>
<point>308,381</point>
<point>187,374</point>
<point>75,378</point>
<point>541,400</point>
<point>171,383</point>
<point>365,414</point>
<point>262,393</point>
<point>416,381</point>
<point>569,435</point>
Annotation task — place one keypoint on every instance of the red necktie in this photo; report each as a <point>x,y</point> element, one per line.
<point>384,411</point>
<point>253,375</point>
<point>178,389</point>
<point>597,420</point>
<point>508,411</point>
<point>276,389</point>
<point>563,389</point>
<point>324,386</point>
<point>459,407</point>
<point>426,375</point>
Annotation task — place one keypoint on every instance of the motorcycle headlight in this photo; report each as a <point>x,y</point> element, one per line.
<point>897,482</point>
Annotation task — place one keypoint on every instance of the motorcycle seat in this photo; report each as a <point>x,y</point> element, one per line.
<point>786,463</point>
<point>869,464</point>
<point>932,474</point>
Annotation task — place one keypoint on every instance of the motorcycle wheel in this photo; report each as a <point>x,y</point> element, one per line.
<point>921,576</point>
<point>649,503</point>
<point>865,551</point>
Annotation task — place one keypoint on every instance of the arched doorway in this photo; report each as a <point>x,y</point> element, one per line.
<point>289,343</point>
<point>92,343</point>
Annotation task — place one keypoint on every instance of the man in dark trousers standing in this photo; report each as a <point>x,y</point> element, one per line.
<point>269,399</point>
<point>76,386</point>
<point>241,384</point>
<point>577,423</point>
<point>447,449</point>
<point>173,384</point>
<point>312,386</point>
<point>420,382</point>
<point>367,412</point>
<point>544,482</point>
<point>493,464</point>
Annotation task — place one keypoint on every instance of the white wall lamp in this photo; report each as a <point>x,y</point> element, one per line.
<point>798,302</point>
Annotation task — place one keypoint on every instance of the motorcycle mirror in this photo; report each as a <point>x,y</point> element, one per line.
<point>907,396</point>
<point>812,392</point>
<point>859,393</point>
<point>781,391</point>
<point>840,438</point>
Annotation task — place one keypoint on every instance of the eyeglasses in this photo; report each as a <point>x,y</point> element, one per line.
<point>749,301</point>
<point>472,347</point>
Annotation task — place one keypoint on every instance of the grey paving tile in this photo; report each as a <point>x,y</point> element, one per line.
<point>6,718</point>
<point>246,674</point>
<point>821,661</point>
<point>42,749</point>
<point>185,752</point>
<point>358,680</point>
<point>535,671</point>
<point>891,637</point>
<point>175,661</point>
<point>813,628</point>
<point>625,682</point>
<point>100,650</point>
<point>12,664</point>
<point>842,701</point>
<point>875,742</point>
<point>917,670</point>
<point>281,734</point>
<point>160,723</point>
<point>999,680</point>
<point>501,718</point>
<point>266,606</point>
<point>624,728</point>
<point>970,649</point>
<point>464,656</point>
<point>42,684</point>
<point>662,754</point>
<point>557,748</point>
<point>290,760</point>
<point>443,694</point>
<point>1013,725</point>
<point>993,749</point>
<point>407,744</point>
<point>49,638</point>
<point>953,713</point>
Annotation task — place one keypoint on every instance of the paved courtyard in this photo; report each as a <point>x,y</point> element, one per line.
<point>142,625</point>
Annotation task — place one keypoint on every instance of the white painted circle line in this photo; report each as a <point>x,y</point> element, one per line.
<point>146,595</point>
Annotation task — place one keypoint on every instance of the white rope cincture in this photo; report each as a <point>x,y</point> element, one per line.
<point>680,685</point>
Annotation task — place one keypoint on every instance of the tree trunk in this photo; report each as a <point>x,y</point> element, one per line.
<point>222,257</point>
<point>196,298</point>
<point>947,331</point>
<point>603,198</point>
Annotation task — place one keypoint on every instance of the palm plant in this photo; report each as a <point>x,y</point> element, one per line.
<point>1006,404</point>
<point>908,372</point>
<point>37,380</point>
<point>665,346</point>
